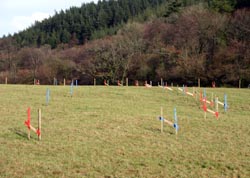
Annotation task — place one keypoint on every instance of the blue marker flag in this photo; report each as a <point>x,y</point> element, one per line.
<point>176,126</point>
<point>175,116</point>
<point>204,93</point>
<point>225,103</point>
<point>47,96</point>
<point>161,118</point>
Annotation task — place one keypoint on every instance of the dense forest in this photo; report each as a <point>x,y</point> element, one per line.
<point>178,40</point>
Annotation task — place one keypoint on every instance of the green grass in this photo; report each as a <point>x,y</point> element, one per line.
<point>114,132</point>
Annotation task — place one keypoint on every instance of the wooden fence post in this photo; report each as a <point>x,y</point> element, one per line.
<point>39,123</point>
<point>28,112</point>
<point>212,99</point>
<point>216,104</point>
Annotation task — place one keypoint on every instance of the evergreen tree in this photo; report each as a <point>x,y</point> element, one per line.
<point>65,36</point>
<point>222,5</point>
<point>52,40</point>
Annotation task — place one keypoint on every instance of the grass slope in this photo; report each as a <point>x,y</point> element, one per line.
<point>114,132</point>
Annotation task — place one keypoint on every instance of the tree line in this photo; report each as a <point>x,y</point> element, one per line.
<point>91,21</point>
<point>79,24</point>
<point>179,41</point>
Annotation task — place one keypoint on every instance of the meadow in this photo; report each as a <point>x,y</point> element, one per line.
<point>115,132</point>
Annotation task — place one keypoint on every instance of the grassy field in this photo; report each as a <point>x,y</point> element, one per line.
<point>114,132</point>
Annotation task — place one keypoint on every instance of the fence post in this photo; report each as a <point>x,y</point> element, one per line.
<point>28,122</point>
<point>216,104</point>
<point>39,123</point>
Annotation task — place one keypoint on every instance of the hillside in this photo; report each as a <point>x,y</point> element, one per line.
<point>179,41</point>
<point>79,24</point>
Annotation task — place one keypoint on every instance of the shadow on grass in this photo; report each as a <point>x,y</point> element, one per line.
<point>158,130</point>
<point>20,133</point>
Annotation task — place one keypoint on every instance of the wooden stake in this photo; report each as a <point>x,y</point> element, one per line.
<point>162,120</point>
<point>196,94</point>
<point>6,80</point>
<point>211,111</point>
<point>28,122</point>
<point>28,133</point>
<point>204,100</point>
<point>199,82</point>
<point>212,98</point>
<point>239,83</point>
<point>216,104</point>
<point>71,89</point>
<point>39,123</point>
<point>33,128</point>
<point>126,81</point>
<point>94,82</point>
<point>161,82</point>
<point>55,81</point>
<point>64,82</point>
